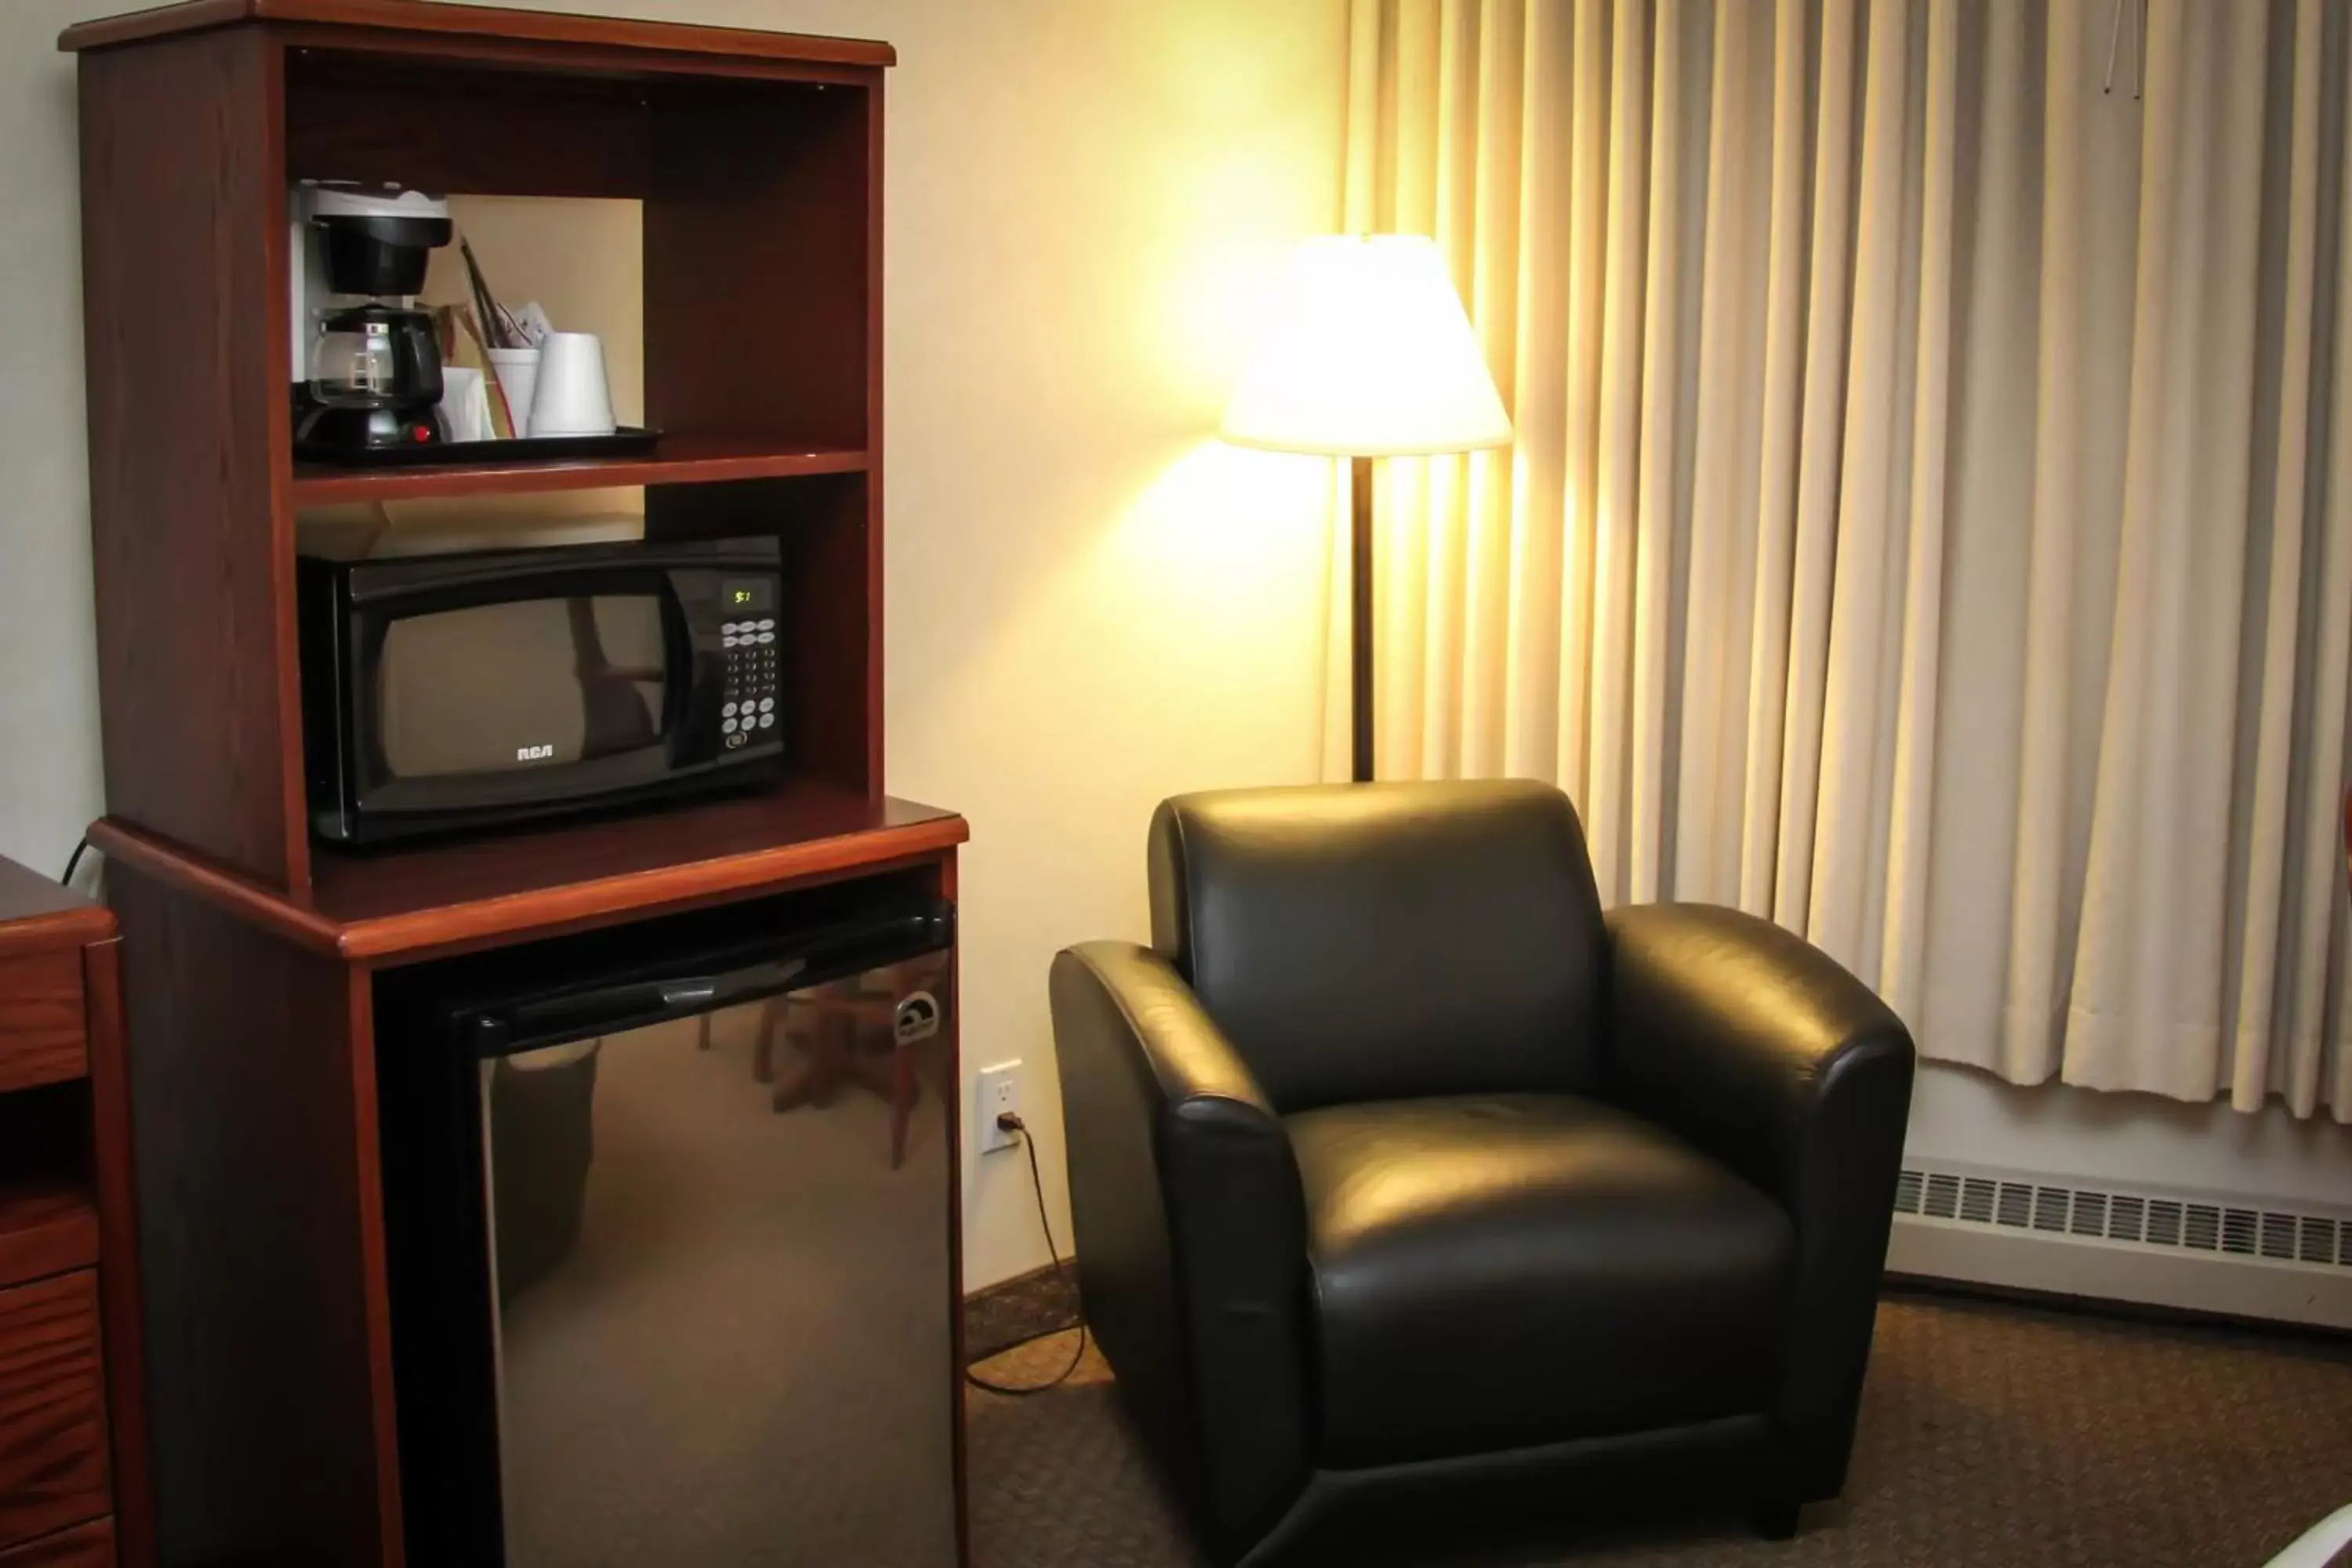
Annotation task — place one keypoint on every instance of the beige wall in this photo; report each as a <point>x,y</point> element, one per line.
<point>1091,605</point>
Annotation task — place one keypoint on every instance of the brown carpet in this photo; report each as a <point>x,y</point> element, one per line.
<point>1992,1436</point>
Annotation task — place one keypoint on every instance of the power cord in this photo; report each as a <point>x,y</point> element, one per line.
<point>74,860</point>
<point>1011,1122</point>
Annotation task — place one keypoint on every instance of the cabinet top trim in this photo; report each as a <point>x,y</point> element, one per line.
<point>416,19</point>
<point>399,906</point>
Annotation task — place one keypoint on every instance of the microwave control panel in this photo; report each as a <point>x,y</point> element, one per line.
<point>747,712</point>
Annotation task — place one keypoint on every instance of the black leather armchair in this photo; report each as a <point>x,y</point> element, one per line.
<point>1403,1179</point>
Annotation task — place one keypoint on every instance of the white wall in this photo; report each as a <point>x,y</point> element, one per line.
<point>48,670</point>
<point>1972,1118</point>
<point>1090,605</point>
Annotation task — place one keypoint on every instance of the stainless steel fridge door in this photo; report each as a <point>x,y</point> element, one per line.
<point>724,1300</point>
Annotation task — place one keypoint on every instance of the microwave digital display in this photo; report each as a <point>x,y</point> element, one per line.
<point>751,596</point>
<point>577,679</point>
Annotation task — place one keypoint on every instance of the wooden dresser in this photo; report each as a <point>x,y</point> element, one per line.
<point>72,1462</point>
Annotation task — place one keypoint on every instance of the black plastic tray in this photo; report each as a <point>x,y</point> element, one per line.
<point>628,441</point>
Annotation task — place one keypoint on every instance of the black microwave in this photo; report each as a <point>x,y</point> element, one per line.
<point>443,692</point>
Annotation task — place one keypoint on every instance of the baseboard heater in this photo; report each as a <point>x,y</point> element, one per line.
<point>2200,1251</point>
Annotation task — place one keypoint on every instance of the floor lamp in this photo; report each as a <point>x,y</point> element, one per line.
<point>1367,353</point>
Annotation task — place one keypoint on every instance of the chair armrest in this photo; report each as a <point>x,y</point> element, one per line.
<point>1191,1233</point>
<point>1758,1048</point>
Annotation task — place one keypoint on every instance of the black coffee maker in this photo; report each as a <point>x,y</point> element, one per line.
<point>373,367</point>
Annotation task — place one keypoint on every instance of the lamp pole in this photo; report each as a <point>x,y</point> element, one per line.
<point>1360,566</point>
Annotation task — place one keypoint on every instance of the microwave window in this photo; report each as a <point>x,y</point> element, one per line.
<point>524,684</point>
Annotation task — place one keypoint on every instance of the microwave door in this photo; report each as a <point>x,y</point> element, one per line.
<point>448,692</point>
<point>696,1280</point>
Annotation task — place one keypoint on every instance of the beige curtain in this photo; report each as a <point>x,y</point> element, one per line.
<point>1930,524</point>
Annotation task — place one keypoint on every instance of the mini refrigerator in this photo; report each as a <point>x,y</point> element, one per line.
<point>670,1243</point>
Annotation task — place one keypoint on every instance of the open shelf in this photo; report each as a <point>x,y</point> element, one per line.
<point>398,905</point>
<point>683,460</point>
<point>47,1225</point>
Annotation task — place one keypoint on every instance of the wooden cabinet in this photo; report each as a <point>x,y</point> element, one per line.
<point>52,1466</point>
<point>259,958</point>
<point>72,1479</point>
<point>43,1036</point>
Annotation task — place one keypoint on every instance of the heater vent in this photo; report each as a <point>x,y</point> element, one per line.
<point>1943,1196</point>
<point>1908,1187</point>
<point>2050,1206</point>
<point>2180,1224</point>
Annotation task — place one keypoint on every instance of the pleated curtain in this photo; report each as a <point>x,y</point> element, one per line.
<point>1930,520</point>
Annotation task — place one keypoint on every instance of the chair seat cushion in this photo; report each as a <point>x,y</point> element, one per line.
<point>1495,1272</point>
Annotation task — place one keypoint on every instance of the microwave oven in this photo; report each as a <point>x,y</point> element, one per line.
<point>447,692</point>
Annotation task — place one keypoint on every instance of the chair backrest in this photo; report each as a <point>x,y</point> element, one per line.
<point>1373,942</point>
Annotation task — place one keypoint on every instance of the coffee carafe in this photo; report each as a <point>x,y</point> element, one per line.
<point>374,364</point>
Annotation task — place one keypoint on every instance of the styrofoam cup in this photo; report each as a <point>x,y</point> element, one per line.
<point>466,402</point>
<point>518,373</point>
<point>572,397</point>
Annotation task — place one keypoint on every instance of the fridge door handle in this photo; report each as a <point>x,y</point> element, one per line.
<point>635,1003</point>
<point>704,991</point>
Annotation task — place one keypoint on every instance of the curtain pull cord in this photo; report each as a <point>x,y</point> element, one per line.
<point>2140,46</point>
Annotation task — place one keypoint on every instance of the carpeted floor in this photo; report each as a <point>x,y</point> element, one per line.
<point>1992,1437</point>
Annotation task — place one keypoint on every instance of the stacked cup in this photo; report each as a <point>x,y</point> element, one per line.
<point>570,396</point>
<point>557,388</point>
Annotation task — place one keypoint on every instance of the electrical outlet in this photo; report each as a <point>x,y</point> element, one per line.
<point>996,1091</point>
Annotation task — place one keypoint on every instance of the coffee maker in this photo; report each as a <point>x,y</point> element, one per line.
<point>367,366</point>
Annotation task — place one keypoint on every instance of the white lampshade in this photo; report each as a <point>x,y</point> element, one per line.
<point>1367,353</point>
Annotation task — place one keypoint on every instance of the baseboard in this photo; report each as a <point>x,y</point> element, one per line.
<point>2196,1252</point>
<point>2106,1309</point>
<point>1014,1311</point>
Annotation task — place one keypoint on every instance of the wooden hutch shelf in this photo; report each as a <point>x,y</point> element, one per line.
<point>268,977</point>
<point>457,23</point>
<point>674,460</point>
<point>408,905</point>
<point>755,162</point>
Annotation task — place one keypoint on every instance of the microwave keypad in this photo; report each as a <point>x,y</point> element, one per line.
<point>747,706</point>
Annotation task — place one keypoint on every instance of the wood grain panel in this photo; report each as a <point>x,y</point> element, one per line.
<point>756,262</point>
<point>874,207</point>
<point>684,459</point>
<point>474,128</point>
<point>47,1227</point>
<point>52,1407</point>
<point>87,1545</point>
<point>255,1204</point>
<point>36,913</point>
<point>471,893</point>
<point>42,1032</point>
<point>181,158</point>
<point>451,22</point>
<point>114,1176</point>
